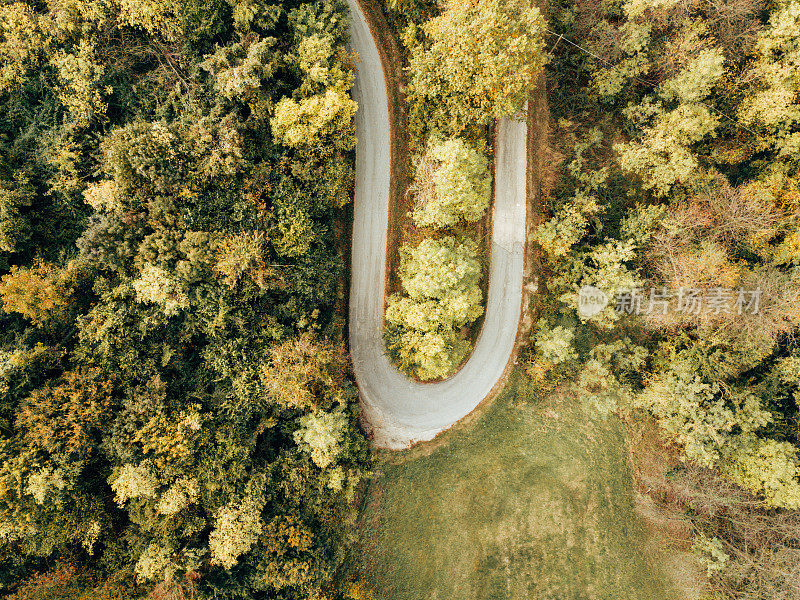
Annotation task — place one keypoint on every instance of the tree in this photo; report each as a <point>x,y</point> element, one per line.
<point>22,43</point>
<point>554,343</point>
<point>663,157</point>
<point>17,194</point>
<point>453,311</point>
<point>237,526</point>
<point>697,411</point>
<point>62,582</point>
<point>241,255</point>
<point>452,183</point>
<point>328,114</point>
<point>774,106</point>
<point>441,278</point>
<point>483,59</point>
<point>80,88</point>
<point>38,292</point>
<point>695,81</point>
<point>157,17</point>
<point>766,467</point>
<point>320,435</point>
<point>169,479</point>
<point>307,373</point>
<point>64,417</point>
<point>568,226</point>
<point>428,354</point>
<point>439,267</point>
<point>241,69</point>
<point>156,286</point>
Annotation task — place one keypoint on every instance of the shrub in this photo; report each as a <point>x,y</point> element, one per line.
<point>554,343</point>
<point>452,184</point>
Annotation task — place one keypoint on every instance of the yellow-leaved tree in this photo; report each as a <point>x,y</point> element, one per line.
<point>483,59</point>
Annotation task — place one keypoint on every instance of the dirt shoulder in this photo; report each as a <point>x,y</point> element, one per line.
<point>400,177</point>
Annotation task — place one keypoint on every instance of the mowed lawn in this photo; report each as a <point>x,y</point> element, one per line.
<point>533,501</point>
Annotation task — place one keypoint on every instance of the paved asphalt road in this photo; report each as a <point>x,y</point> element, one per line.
<point>400,411</point>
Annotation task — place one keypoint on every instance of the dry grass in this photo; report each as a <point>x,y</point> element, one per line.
<point>423,188</point>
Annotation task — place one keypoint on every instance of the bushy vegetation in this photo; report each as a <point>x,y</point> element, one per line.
<point>452,185</point>
<point>477,62</point>
<point>678,172</point>
<point>440,278</point>
<point>176,417</point>
<point>469,64</point>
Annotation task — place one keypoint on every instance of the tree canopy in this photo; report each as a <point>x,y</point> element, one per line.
<point>480,62</point>
<point>176,414</point>
<point>452,184</point>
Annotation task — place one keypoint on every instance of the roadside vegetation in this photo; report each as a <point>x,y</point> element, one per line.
<point>675,192</point>
<point>468,65</point>
<point>176,417</point>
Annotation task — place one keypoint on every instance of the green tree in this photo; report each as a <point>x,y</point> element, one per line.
<point>768,468</point>
<point>307,373</point>
<point>452,183</point>
<point>428,354</point>
<point>326,114</point>
<point>441,279</point>
<point>439,267</point>
<point>22,44</point>
<point>773,105</point>
<point>207,248</point>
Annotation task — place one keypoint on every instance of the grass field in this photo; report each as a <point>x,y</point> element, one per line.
<point>533,501</point>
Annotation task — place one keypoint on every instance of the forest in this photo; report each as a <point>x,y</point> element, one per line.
<point>178,417</point>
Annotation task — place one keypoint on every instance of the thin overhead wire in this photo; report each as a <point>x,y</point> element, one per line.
<point>639,79</point>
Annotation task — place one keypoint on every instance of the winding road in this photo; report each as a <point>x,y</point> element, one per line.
<point>396,410</point>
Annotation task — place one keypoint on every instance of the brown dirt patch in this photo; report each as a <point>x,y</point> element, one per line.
<point>400,177</point>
